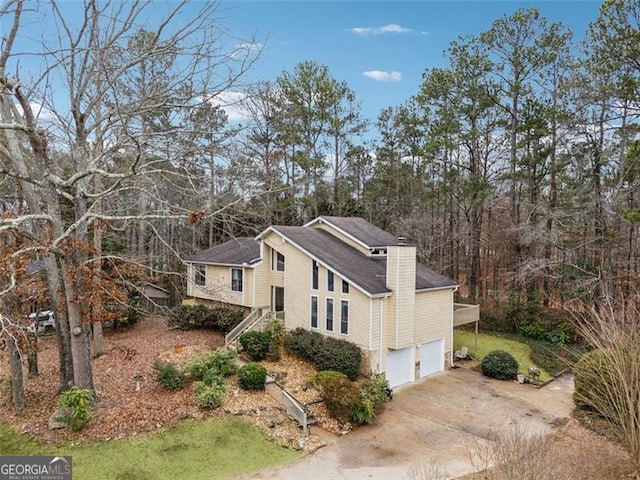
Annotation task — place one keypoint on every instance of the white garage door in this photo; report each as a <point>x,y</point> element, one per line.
<point>401,366</point>
<point>431,358</point>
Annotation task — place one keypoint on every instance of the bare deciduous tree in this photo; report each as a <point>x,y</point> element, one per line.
<point>613,389</point>
<point>101,141</point>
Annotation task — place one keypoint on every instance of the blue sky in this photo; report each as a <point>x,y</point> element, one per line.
<point>380,48</point>
<point>376,36</point>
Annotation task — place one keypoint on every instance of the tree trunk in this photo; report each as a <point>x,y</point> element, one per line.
<point>80,333</point>
<point>32,358</point>
<point>17,379</point>
<point>98,340</point>
<point>62,322</point>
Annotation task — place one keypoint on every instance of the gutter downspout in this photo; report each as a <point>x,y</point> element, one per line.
<point>380,325</point>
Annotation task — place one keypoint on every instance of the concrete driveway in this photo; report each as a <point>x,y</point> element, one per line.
<point>436,419</point>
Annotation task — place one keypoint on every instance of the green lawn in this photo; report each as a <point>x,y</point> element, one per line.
<point>487,343</point>
<point>211,449</point>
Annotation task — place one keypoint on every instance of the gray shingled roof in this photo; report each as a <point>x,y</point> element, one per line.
<point>238,251</point>
<point>364,231</point>
<point>368,273</point>
<point>428,278</point>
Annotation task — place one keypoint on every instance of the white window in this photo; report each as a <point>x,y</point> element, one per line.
<point>329,324</point>
<point>236,279</point>
<point>314,275</point>
<point>200,275</point>
<point>329,280</point>
<point>314,312</point>
<point>344,317</point>
<point>277,261</point>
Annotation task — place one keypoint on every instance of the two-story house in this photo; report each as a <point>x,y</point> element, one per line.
<point>342,277</point>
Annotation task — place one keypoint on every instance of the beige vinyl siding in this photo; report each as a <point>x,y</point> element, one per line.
<point>434,314</point>
<point>261,277</point>
<point>248,287</point>
<point>401,275</point>
<point>342,237</point>
<point>296,280</point>
<point>218,285</point>
<point>298,292</point>
<point>265,278</point>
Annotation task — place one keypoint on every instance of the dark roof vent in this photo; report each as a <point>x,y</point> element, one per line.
<point>402,241</point>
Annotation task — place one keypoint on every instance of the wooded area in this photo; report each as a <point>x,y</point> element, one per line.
<point>515,170</point>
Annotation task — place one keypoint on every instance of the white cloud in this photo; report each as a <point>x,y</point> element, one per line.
<point>390,28</point>
<point>361,30</point>
<point>245,49</point>
<point>40,112</point>
<point>394,28</point>
<point>249,46</point>
<point>382,76</point>
<point>232,103</point>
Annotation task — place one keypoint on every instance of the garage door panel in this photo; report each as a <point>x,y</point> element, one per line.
<point>431,358</point>
<point>401,366</point>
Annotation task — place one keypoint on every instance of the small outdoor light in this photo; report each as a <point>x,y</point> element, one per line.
<point>138,379</point>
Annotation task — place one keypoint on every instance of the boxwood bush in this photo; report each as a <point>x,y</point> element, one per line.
<point>220,362</point>
<point>256,344</point>
<point>500,365</point>
<point>326,353</point>
<point>340,356</point>
<point>339,394</point>
<point>252,376</point>
<point>210,395</point>
<point>303,343</point>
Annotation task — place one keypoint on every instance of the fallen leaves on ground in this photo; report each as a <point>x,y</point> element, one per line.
<point>125,411</point>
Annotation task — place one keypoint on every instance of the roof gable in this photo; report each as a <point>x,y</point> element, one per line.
<point>364,272</point>
<point>365,233</point>
<point>367,273</point>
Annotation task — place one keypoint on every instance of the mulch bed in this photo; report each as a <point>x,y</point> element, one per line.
<point>123,412</point>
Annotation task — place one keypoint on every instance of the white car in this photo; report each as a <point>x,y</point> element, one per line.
<point>45,321</point>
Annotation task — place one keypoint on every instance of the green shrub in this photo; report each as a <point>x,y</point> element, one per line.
<point>273,353</point>
<point>325,352</point>
<point>340,356</point>
<point>252,376</point>
<point>600,376</point>
<point>221,362</point>
<point>226,319</point>
<point>303,343</point>
<point>78,403</point>
<point>188,317</point>
<point>256,344</point>
<point>338,393</point>
<point>276,330</point>
<point>500,365</point>
<point>373,395</point>
<point>536,329</point>
<point>168,376</point>
<point>222,319</point>
<point>210,396</point>
<point>211,377</point>
<point>563,333</point>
